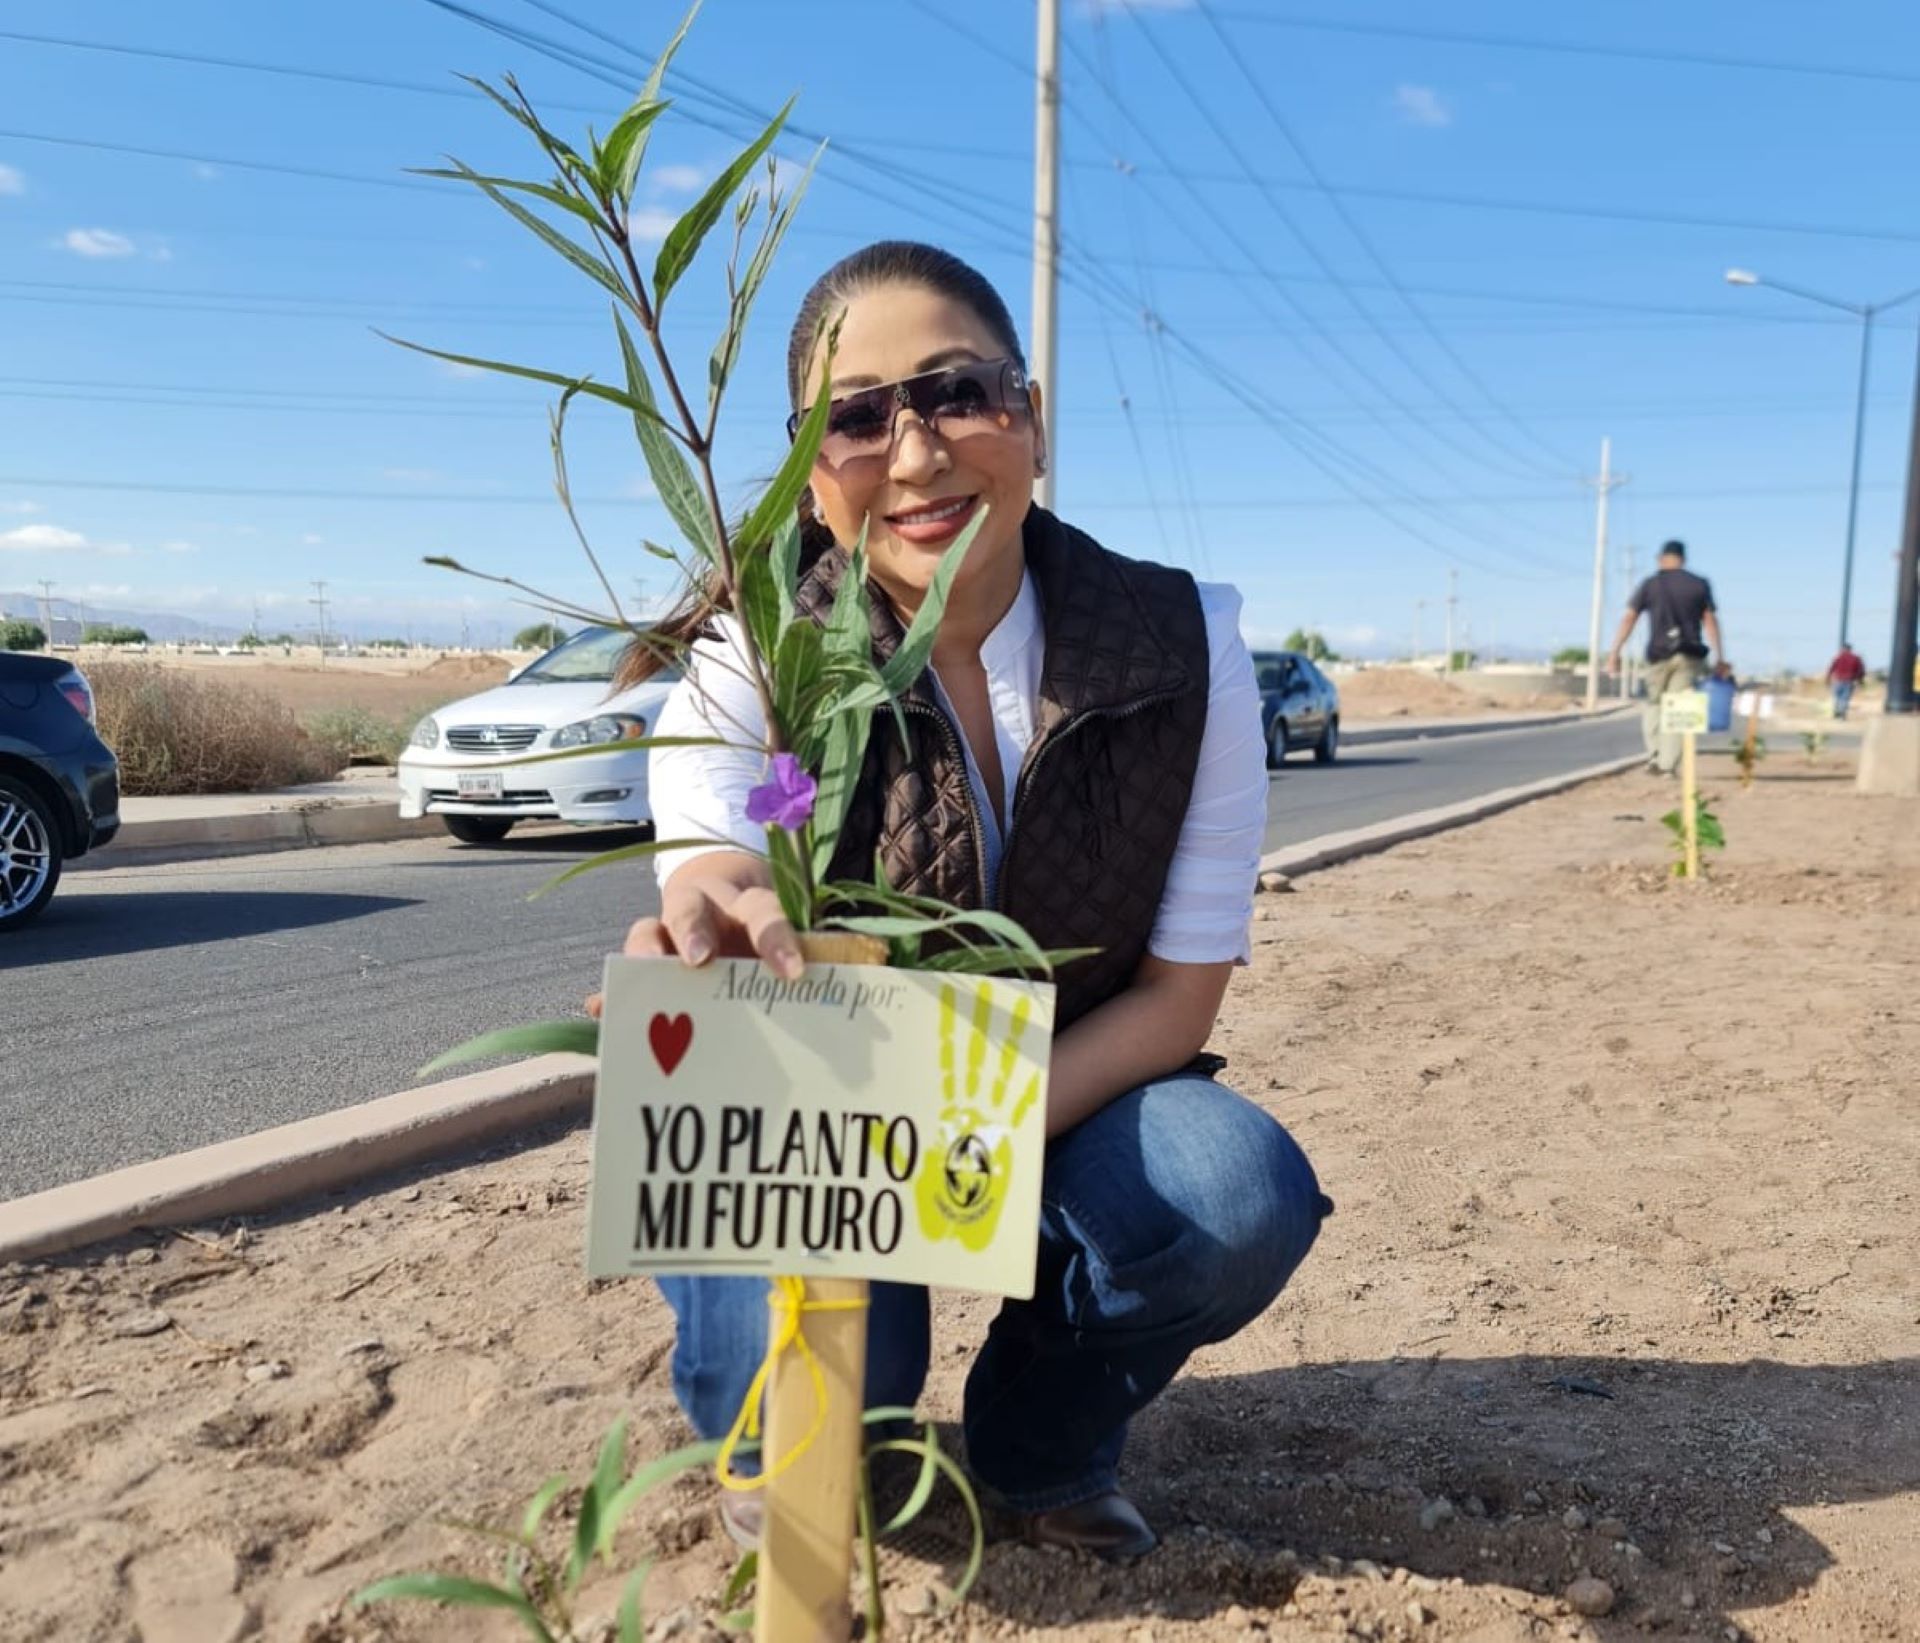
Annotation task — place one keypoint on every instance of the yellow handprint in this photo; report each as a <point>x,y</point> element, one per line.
<point>965,1169</point>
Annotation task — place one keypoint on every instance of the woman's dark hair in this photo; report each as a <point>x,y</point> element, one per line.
<point>886,262</point>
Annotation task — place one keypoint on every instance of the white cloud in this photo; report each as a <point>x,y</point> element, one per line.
<point>650,225</point>
<point>179,547</point>
<point>19,507</point>
<point>160,253</point>
<point>678,179</point>
<point>460,373</point>
<point>104,590</point>
<point>43,539</point>
<point>12,181</point>
<point>97,242</point>
<point>1422,106</point>
<point>206,173</point>
<point>640,490</point>
<point>312,540</point>
<point>473,265</point>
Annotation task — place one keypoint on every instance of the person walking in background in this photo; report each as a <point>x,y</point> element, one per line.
<point>1844,673</point>
<point>1682,623</point>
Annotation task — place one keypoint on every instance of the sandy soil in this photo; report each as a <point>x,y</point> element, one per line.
<point>1401,693</point>
<point>394,689</point>
<point>1624,1280</point>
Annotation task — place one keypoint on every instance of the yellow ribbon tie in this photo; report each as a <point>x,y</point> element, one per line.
<point>786,1300</point>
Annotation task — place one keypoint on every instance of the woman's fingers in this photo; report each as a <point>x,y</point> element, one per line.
<point>758,912</point>
<point>648,938</point>
<point>594,1005</point>
<point>687,919</point>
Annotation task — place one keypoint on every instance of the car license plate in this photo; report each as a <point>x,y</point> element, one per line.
<point>482,785</point>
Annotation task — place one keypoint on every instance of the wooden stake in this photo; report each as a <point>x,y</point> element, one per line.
<point>806,1553</point>
<point>1690,801</point>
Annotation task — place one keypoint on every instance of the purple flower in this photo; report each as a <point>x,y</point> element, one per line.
<point>787,800</point>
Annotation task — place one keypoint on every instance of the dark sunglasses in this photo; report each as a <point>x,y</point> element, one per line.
<point>957,403</point>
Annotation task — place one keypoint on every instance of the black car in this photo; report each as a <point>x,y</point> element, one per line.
<point>1299,706</point>
<point>59,783</point>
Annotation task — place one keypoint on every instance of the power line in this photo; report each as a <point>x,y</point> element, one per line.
<point>1365,240</point>
<point>1227,141</point>
<point>1576,48</point>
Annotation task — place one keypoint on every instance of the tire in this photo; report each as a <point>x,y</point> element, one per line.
<point>30,854</point>
<point>479,829</point>
<point>1277,744</point>
<point>1327,749</point>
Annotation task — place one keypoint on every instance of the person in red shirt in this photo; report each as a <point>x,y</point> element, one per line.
<point>1844,673</point>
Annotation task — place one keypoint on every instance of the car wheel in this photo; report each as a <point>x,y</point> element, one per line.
<point>1277,744</point>
<point>1327,749</point>
<point>478,829</point>
<point>30,854</point>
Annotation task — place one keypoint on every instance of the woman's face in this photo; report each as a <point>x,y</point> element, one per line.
<point>918,493</point>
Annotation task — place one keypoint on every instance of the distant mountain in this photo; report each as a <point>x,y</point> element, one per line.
<point>162,626</point>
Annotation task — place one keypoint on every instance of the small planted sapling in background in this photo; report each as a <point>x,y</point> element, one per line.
<point>1711,834</point>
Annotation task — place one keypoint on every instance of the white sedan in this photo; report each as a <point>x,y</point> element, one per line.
<point>461,764</point>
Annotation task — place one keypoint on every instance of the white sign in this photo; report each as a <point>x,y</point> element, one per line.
<point>1752,704</point>
<point>1683,713</point>
<point>859,1122</point>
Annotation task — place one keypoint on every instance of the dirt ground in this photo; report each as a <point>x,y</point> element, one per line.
<point>1401,693</point>
<point>393,689</point>
<point>1624,1282</point>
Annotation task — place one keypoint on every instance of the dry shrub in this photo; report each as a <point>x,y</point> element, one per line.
<point>175,732</point>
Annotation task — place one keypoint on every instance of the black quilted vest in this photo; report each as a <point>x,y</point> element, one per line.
<point>1102,792</point>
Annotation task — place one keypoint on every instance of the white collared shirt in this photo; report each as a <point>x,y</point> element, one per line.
<point>1207,905</point>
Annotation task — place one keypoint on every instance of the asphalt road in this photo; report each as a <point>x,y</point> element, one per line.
<point>154,1009</point>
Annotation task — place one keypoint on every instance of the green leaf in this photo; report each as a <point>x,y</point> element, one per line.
<point>649,1477</point>
<point>783,494</point>
<point>578,255</point>
<point>759,597</point>
<point>727,352</point>
<point>683,239</point>
<point>922,1492</point>
<point>603,1487</point>
<point>658,74</point>
<point>673,475</point>
<point>542,191</point>
<point>849,632</point>
<point>798,667</point>
<point>911,1446</point>
<point>612,747</point>
<point>457,1589</point>
<point>538,1507</point>
<point>595,390</point>
<point>846,752</point>
<point>627,852</point>
<point>789,877</point>
<point>631,1629</point>
<point>783,559</point>
<point>620,155</point>
<point>906,663</point>
<point>558,151</point>
<point>536,1038</point>
<point>1000,961</point>
<point>742,1577</point>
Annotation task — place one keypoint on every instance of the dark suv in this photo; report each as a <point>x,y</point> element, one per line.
<point>59,783</point>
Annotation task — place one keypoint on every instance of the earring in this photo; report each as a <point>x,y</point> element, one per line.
<point>1039,466</point>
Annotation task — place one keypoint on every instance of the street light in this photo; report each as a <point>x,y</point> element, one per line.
<point>1866,313</point>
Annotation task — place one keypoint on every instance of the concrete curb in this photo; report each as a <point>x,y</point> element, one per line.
<point>273,1167</point>
<point>247,832</point>
<point>1426,730</point>
<point>338,1149</point>
<point>1330,849</point>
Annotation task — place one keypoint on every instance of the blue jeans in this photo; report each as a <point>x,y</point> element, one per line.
<point>1842,697</point>
<point>1169,1220</point>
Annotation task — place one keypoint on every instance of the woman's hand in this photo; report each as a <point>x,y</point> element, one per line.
<point>717,906</point>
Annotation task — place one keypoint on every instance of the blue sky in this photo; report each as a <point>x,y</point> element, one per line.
<point>195,414</point>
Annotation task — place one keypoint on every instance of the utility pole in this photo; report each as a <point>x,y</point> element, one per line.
<point>46,613</point>
<point>255,629</point>
<point>1046,236</point>
<point>1418,606</point>
<point>1608,482</point>
<point>1453,598</point>
<point>319,601</point>
<point>1906,602</point>
<point>1632,553</point>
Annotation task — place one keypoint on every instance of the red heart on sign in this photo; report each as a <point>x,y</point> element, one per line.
<point>670,1036</point>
